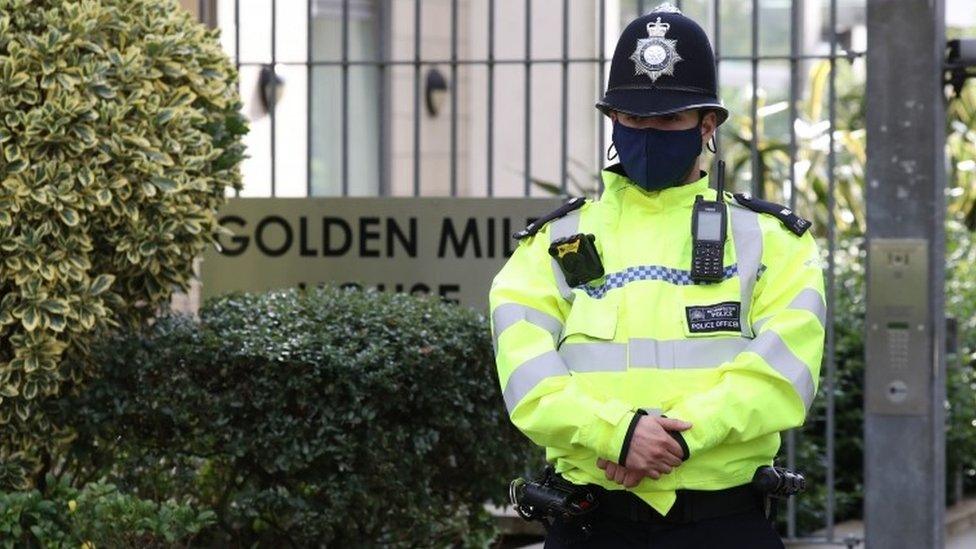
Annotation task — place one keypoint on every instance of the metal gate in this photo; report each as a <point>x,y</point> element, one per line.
<point>742,56</point>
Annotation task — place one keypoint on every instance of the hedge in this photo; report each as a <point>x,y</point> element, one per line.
<point>96,516</point>
<point>325,417</point>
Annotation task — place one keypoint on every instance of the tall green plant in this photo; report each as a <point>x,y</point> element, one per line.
<point>120,134</point>
<point>812,164</point>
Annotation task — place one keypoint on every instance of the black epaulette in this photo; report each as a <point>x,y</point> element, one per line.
<point>535,226</point>
<point>796,224</point>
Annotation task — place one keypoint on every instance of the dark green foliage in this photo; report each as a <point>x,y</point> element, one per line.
<point>306,418</point>
<point>96,516</point>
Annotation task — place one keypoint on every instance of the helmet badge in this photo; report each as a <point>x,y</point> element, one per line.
<point>655,55</point>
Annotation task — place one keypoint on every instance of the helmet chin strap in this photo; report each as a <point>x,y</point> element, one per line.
<point>710,145</point>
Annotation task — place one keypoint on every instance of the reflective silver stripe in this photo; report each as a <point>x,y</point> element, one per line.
<point>748,239</point>
<point>507,314</point>
<point>810,300</point>
<point>529,374</point>
<point>685,353</point>
<point>759,324</point>
<point>775,352</point>
<point>652,353</point>
<point>807,300</point>
<point>595,357</point>
<point>567,225</point>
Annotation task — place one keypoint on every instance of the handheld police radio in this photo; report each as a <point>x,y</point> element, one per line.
<point>708,234</point>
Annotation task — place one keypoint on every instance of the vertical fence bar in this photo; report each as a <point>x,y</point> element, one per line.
<point>757,184</point>
<point>345,98</point>
<point>640,8</point>
<point>528,98</point>
<point>237,34</point>
<point>309,68</point>
<point>832,248</point>
<point>796,19</point>
<point>491,99</point>
<point>602,64</point>
<point>273,118</point>
<point>237,54</point>
<point>564,106</point>
<point>453,90</point>
<point>717,14</point>
<point>416,97</point>
<point>796,41</point>
<point>381,106</point>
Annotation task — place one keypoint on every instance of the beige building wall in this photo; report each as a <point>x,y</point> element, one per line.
<point>192,6</point>
<point>509,99</point>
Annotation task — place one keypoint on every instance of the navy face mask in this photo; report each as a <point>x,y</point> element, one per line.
<point>657,159</point>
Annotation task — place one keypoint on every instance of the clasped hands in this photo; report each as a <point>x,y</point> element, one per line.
<point>653,452</point>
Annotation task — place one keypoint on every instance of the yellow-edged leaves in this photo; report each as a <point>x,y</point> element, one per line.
<point>120,133</point>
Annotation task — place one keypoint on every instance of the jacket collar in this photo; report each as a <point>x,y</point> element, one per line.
<point>619,190</point>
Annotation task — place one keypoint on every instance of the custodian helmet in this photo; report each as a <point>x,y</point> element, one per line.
<point>663,64</point>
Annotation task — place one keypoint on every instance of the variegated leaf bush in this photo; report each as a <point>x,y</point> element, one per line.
<point>120,135</point>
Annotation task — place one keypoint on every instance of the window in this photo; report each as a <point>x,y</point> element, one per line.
<point>302,43</point>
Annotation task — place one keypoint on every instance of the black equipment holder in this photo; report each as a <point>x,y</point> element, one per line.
<point>549,497</point>
<point>777,484</point>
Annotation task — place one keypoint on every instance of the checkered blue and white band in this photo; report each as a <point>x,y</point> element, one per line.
<point>678,277</point>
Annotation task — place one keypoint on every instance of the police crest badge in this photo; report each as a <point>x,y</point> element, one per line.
<point>656,55</point>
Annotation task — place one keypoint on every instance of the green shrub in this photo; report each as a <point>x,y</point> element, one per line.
<point>329,416</point>
<point>96,516</point>
<point>120,133</point>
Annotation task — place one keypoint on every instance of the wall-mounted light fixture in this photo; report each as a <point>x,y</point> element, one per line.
<point>960,63</point>
<point>272,87</point>
<point>436,91</point>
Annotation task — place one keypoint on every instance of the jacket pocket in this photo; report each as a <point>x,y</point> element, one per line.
<point>590,318</point>
<point>587,343</point>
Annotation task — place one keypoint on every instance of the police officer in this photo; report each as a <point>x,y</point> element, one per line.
<point>653,373</point>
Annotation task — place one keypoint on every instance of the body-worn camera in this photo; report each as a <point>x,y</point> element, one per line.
<point>578,258</point>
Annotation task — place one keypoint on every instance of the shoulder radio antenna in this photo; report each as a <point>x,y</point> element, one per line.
<point>720,181</point>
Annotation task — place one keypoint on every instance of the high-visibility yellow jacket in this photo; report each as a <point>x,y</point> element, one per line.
<point>576,363</point>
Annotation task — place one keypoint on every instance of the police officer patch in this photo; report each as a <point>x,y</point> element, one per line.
<point>655,55</point>
<point>721,317</point>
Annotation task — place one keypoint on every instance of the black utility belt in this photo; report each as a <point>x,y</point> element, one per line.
<point>550,497</point>
<point>690,506</point>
